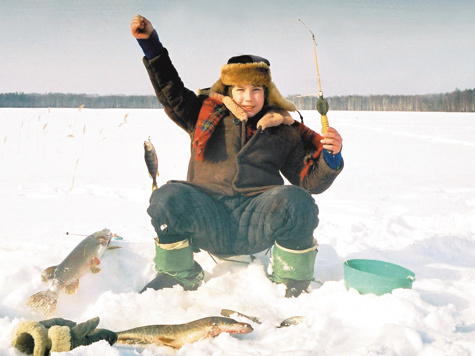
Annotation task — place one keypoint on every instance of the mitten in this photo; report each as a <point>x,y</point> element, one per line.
<point>58,335</point>
<point>64,338</point>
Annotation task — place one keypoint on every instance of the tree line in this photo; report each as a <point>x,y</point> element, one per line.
<point>456,101</point>
<point>60,100</point>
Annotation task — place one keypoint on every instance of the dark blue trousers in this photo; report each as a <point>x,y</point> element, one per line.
<point>234,225</point>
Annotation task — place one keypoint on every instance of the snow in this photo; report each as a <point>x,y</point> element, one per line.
<point>406,196</point>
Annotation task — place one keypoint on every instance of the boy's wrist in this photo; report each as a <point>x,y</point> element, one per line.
<point>151,47</point>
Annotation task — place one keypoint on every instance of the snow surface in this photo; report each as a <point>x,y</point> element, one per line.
<point>407,196</point>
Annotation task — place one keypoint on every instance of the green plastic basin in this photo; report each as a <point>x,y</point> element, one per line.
<point>377,277</point>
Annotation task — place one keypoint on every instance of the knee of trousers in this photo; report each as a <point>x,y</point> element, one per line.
<point>168,207</point>
<point>294,216</point>
<point>291,201</point>
<point>170,194</point>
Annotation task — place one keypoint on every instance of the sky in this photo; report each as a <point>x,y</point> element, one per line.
<point>364,47</point>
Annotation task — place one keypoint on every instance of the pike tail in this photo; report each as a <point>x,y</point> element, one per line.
<point>44,301</point>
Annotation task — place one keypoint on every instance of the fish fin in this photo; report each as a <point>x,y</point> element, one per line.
<point>113,247</point>
<point>95,269</point>
<point>94,263</point>
<point>166,340</point>
<point>48,273</point>
<point>130,341</point>
<point>72,288</point>
<point>44,301</point>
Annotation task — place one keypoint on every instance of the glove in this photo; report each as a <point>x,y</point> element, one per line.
<point>58,335</point>
<point>86,334</point>
<point>66,337</point>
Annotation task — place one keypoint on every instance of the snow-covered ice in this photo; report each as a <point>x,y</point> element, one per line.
<point>406,196</point>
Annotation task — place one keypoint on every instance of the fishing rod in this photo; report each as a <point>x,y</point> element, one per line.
<point>322,104</point>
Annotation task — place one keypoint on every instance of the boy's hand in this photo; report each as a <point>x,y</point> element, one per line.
<point>140,27</point>
<point>332,141</point>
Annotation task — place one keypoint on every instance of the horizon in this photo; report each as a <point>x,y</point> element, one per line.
<point>293,94</point>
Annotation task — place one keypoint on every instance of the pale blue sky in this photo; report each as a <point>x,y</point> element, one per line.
<point>364,46</point>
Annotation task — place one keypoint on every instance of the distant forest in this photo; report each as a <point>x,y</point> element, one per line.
<point>60,100</point>
<point>456,101</point>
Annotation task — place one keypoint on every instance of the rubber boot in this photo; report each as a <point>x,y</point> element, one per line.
<point>175,265</point>
<point>294,268</point>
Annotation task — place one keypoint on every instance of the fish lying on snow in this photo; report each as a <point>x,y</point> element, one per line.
<point>84,257</point>
<point>180,334</point>
<point>294,320</point>
<point>229,312</point>
<point>151,161</point>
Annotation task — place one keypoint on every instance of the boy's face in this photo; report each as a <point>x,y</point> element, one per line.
<point>249,97</point>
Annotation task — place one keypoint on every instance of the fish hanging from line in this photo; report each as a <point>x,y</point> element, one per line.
<point>151,161</point>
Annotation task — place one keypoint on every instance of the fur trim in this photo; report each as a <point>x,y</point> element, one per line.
<point>275,117</point>
<point>219,87</point>
<point>276,99</point>
<point>60,337</point>
<point>249,73</point>
<point>30,337</point>
<point>231,105</point>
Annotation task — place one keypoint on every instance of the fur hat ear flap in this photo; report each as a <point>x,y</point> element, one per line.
<point>30,337</point>
<point>219,87</point>
<point>276,99</point>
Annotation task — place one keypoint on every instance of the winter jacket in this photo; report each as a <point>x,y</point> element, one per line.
<point>233,164</point>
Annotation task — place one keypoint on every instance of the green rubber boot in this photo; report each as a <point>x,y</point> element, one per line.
<point>175,265</point>
<point>294,268</point>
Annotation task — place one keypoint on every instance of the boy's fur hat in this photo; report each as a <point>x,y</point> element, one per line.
<point>253,70</point>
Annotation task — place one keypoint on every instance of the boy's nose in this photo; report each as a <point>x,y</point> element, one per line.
<point>247,95</point>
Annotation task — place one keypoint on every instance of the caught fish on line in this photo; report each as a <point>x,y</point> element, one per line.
<point>65,276</point>
<point>178,335</point>
<point>151,161</point>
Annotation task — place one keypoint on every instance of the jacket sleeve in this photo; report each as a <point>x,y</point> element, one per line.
<point>319,177</point>
<point>181,104</point>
